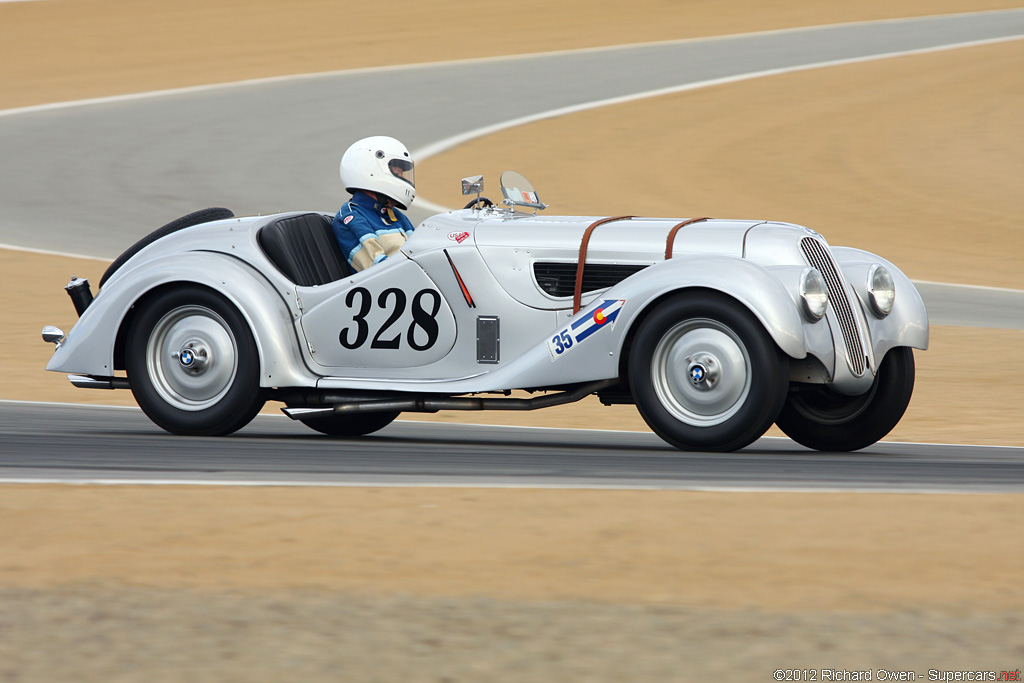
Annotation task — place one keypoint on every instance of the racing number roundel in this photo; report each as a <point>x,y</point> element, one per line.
<point>393,318</point>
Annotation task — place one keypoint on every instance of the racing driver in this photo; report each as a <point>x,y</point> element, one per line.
<point>378,171</point>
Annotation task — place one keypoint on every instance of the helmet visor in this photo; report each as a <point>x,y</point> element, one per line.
<point>403,168</point>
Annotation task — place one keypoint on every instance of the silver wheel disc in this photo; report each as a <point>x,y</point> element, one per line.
<point>192,358</point>
<point>701,372</point>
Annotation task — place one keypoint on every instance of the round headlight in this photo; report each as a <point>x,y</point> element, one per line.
<point>814,293</point>
<point>882,290</point>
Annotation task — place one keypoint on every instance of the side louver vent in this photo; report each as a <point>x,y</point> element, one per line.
<point>559,279</point>
<point>818,256</point>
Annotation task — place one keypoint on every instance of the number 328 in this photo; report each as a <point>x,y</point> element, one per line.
<point>425,305</point>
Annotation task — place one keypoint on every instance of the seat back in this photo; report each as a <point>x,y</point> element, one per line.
<point>304,249</point>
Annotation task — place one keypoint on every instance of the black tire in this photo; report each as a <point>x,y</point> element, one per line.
<point>744,374</point>
<point>352,425</point>
<point>825,420</point>
<point>193,364</point>
<point>194,218</point>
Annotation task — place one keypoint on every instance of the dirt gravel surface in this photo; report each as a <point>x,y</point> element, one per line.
<point>865,552</point>
<point>162,583</point>
<point>469,584</point>
<point>120,635</point>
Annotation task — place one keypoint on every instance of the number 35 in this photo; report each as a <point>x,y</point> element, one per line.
<point>562,341</point>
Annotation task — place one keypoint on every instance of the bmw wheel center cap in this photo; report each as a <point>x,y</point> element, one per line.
<point>698,373</point>
<point>193,357</point>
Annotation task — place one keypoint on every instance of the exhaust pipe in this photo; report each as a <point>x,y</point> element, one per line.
<point>428,404</point>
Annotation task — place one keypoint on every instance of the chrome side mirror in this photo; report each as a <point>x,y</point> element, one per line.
<point>53,335</point>
<point>473,185</point>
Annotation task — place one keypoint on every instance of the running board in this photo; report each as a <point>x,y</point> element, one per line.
<point>426,404</point>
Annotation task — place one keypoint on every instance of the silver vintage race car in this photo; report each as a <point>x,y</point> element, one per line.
<point>714,329</point>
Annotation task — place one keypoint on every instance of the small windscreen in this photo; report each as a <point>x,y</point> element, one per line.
<point>518,190</point>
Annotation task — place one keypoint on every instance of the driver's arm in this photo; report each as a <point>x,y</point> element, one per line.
<point>363,244</point>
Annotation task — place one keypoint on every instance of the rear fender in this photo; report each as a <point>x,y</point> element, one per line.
<point>90,345</point>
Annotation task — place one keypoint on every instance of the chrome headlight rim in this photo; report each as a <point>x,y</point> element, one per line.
<point>881,290</point>
<point>813,294</point>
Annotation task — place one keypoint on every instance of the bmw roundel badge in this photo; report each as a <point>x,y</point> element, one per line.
<point>697,373</point>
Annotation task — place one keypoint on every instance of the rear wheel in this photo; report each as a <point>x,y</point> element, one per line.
<point>825,420</point>
<point>193,364</point>
<point>351,425</point>
<point>705,375</point>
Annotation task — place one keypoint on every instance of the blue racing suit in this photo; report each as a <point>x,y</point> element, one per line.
<point>369,232</point>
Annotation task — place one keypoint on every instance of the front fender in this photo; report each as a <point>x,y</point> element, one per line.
<point>89,347</point>
<point>907,325</point>
<point>750,284</point>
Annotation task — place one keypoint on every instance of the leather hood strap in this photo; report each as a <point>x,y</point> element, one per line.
<point>578,290</point>
<point>672,234</point>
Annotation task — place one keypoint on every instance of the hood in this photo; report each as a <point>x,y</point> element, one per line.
<point>535,258</point>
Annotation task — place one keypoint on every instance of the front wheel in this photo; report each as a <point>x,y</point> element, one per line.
<point>825,420</point>
<point>193,364</point>
<point>705,374</point>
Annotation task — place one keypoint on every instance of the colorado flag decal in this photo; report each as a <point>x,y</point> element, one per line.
<point>587,324</point>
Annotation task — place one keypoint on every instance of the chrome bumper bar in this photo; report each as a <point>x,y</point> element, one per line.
<point>89,382</point>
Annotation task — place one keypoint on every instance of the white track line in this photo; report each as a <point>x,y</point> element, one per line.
<point>448,143</point>
<point>65,404</point>
<point>426,65</point>
<point>481,426</point>
<point>441,209</point>
<point>982,287</point>
<point>48,252</point>
<point>492,485</point>
<point>483,485</point>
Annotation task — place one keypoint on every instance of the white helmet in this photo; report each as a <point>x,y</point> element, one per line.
<point>380,164</point>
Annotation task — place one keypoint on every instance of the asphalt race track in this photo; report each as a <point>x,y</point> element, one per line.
<point>47,442</point>
<point>119,169</point>
<point>123,166</point>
